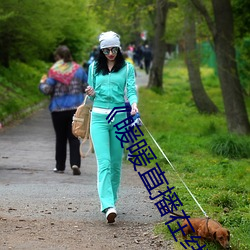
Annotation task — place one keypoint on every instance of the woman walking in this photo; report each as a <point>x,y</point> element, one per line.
<point>65,84</point>
<point>109,76</point>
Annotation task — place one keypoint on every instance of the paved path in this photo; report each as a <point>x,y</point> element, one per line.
<point>141,78</point>
<point>27,158</point>
<point>26,163</point>
<point>31,191</point>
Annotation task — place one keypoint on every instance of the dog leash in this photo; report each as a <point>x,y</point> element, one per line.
<point>174,169</point>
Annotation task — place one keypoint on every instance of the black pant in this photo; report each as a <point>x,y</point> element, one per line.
<point>62,122</point>
<point>147,65</point>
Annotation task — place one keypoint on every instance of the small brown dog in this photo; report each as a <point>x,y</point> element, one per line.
<point>208,230</point>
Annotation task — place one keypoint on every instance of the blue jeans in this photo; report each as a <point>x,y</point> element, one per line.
<point>108,153</point>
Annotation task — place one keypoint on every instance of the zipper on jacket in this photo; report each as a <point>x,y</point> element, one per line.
<point>109,89</point>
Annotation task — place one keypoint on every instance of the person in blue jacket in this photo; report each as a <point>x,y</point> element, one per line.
<point>108,78</point>
<point>65,83</point>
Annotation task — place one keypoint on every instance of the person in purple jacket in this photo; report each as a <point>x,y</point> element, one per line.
<point>65,83</point>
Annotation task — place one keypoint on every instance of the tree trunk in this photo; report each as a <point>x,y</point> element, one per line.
<point>223,38</point>
<point>233,97</point>
<point>159,46</point>
<point>201,99</point>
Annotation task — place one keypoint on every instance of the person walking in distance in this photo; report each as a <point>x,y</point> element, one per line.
<point>147,54</point>
<point>65,84</point>
<point>108,77</point>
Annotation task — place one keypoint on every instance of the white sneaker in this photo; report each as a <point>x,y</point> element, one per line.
<point>58,171</point>
<point>111,214</point>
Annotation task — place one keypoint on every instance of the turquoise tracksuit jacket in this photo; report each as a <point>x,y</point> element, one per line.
<point>111,88</point>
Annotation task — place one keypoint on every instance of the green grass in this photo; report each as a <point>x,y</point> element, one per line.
<point>19,88</point>
<point>214,164</point>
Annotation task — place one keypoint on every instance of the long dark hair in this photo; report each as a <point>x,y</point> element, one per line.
<point>101,64</point>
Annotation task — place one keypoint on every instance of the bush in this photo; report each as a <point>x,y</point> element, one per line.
<point>231,146</point>
<point>224,200</point>
<point>19,88</point>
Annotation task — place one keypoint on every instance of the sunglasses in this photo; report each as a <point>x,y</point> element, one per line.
<point>106,51</point>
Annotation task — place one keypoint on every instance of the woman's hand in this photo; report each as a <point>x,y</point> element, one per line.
<point>43,79</point>
<point>90,91</point>
<point>134,109</point>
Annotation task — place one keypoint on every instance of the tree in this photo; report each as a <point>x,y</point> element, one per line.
<point>159,44</point>
<point>23,33</point>
<point>201,99</point>
<point>127,17</point>
<point>223,38</point>
<point>28,33</point>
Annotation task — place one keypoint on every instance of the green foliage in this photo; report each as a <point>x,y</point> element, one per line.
<point>128,18</point>
<point>28,33</point>
<point>223,200</point>
<point>231,146</point>
<point>210,129</point>
<point>243,59</point>
<point>219,183</point>
<point>19,87</point>
<point>241,17</point>
<point>174,25</point>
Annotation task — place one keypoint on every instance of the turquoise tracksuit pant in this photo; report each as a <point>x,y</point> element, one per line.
<point>108,153</point>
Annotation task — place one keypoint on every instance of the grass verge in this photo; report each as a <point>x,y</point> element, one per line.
<point>214,164</point>
<point>19,89</point>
